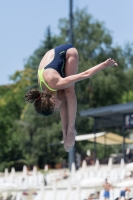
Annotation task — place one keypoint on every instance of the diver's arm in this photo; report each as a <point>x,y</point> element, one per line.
<point>67,82</point>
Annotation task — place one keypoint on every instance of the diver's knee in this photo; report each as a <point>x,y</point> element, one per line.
<point>72,52</point>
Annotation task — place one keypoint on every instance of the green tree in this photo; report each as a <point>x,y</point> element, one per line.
<point>95,44</point>
<point>27,135</point>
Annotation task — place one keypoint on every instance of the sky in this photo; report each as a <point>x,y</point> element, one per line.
<point>23,24</point>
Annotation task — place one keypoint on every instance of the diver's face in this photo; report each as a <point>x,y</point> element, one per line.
<point>57,103</point>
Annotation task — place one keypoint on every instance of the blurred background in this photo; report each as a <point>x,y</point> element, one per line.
<point>32,157</point>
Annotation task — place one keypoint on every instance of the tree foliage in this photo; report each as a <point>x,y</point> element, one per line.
<point>29,138</point>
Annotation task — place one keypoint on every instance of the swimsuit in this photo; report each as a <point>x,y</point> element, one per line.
<point>40,74</point>
<point>58,63</point>
<point>122,193</point>
<point>106,194</point>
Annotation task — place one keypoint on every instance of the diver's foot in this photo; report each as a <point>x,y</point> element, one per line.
<point>110,62</point>
<point>70,140</point>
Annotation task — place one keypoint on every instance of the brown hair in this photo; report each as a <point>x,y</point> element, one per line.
<point>41,100</point>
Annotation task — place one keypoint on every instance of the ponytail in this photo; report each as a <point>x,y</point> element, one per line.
<point>41,100</point>
<point>32,95</point>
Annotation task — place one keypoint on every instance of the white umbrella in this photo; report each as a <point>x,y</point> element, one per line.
<point>84,165</point>
<point>129,166</point>
<point>6,174</point>
<point>73,169</point>
<point>25,171</point>
<point>126,183</point>
<point>122,163</point>
<point>97,164</point>
<point>13,172</point>
<point>8,186</point>
<point>88,152</point>
<point>46,168</point>
<point>92,182</point>
<point>34,171</point>
<point>110,163</point>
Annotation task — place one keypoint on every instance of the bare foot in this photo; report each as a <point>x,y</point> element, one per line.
<point>70,140</point>
<point>110,62</point>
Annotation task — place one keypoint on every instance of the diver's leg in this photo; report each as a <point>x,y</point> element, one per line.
<point>63,112</point>
<point>71,110</point>
<point>71,68</point>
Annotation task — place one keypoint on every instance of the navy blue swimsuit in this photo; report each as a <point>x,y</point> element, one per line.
<point>58,63</point>
<point>123,193</point>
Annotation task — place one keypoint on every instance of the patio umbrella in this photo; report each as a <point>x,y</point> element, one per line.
<point>129,166</point>
<point>122,164</point>
<point>8,186</point>
<point>73,169</point>
<point>46,168</point>
<point>12,172</point>
<point>34,171</point>
<point>111,138</point>
<point>84,165</point>
<point>97,165</point>
<point>6,174</point>
<point>126,183</point>
<point>24,171</point>
<point>92,182</point>
<point>110,163</point>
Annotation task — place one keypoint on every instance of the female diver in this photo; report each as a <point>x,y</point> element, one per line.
<point>57,75</point>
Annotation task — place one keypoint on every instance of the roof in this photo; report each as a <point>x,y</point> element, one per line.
<point>109,116</point>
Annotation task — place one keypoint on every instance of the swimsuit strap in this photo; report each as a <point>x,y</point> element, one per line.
<point>40,74</point>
